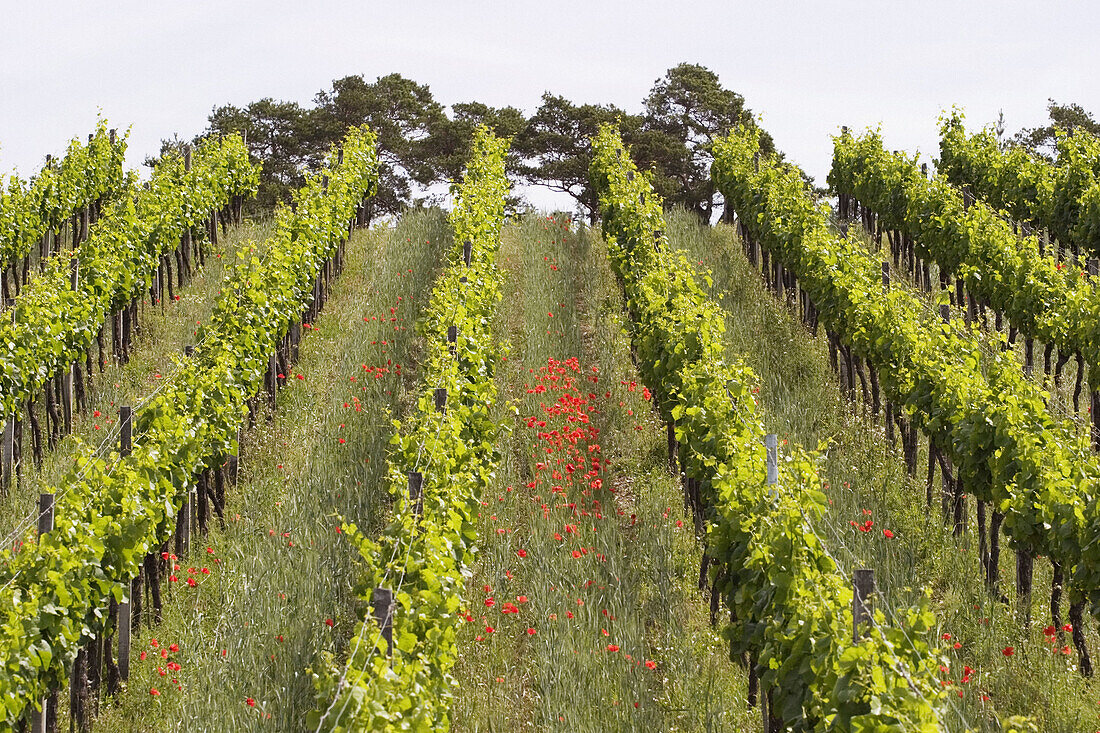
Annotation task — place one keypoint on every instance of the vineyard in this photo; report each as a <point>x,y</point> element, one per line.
<point>827,464</point>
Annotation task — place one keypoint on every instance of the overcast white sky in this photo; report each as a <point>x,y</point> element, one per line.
<point>806,67</point>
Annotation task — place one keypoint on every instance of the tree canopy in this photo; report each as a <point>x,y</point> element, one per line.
<point>421,145</point>
<point>1068,117</point>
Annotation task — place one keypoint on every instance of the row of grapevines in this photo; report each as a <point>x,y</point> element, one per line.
<point>422,555</point>
<point>55,324</point>
<point>973,404</point>
<point>1040,296</point>
<point>1061,197</point>
<point>790,602</point>
<point>88,173</point>
<point>110,513</point>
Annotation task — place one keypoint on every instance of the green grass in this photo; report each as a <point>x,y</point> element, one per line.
<point>802,402</point>
<point>636,573</point>
<point>253,627</point>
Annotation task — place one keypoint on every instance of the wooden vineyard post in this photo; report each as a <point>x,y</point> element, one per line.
<point>383,607</point>
<point>467,252</point>
<point>452,338</point>
<point>183,526</point>
<point>125,612</point>
<point>67,399</point>
<point>45,720</point>
<point>1025,564</point>
<point>273,381</point>
<point>67,377</point>
<point>8,451</point>
<point>125,619</point>
<point>889,416</point>
<point>673,449</point>
<point>441,399</point>
<point>771,443</point>
<point>770,724</point>
<point>863,586</point>
<point>416,492</point>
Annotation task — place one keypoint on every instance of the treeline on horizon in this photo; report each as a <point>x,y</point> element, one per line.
<point>420,144</point>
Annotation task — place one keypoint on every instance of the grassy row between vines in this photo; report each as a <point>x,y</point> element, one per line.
<point>279,592</point>
<point>608,631</point>
<point>1014,672</point>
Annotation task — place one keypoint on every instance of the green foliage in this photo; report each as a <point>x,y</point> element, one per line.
<point>402,112</point>
<point>424,553</point>
<point>54,324</point>
<point>976,407</point>
<point>88,172</point>
<point>111,511</point>
<point>450,144</point>
<point>782,586</point>
<point>1010,180</point>
<point>1063,117</point>
<point>1060,197</point>
<point>686,111</point>
<point>556,150</point>
<point>279,135</point>
<point>1045,299</point>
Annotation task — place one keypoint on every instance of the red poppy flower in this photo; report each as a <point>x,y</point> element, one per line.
<point>251,702</point>
<point>530,631</point>
<point>1008,651</point>
<point>612,647</point>
<point>650,664</point>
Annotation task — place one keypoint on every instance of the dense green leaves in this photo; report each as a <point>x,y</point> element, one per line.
<point>976,407</point>
<point>1045,299</point>
<point>423,554</point>
<point>88,173</point>
<point>54,324</point>
<point>790,602</point>
<point>111,512</point>
<point>1062,197</point>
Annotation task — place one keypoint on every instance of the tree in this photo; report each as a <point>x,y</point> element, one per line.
<point>686,111</point>
<point>556,148</point>
<point>447,149</point>
<point>279,135</point>
<point>1068,117</point>
<point>403,114</point>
